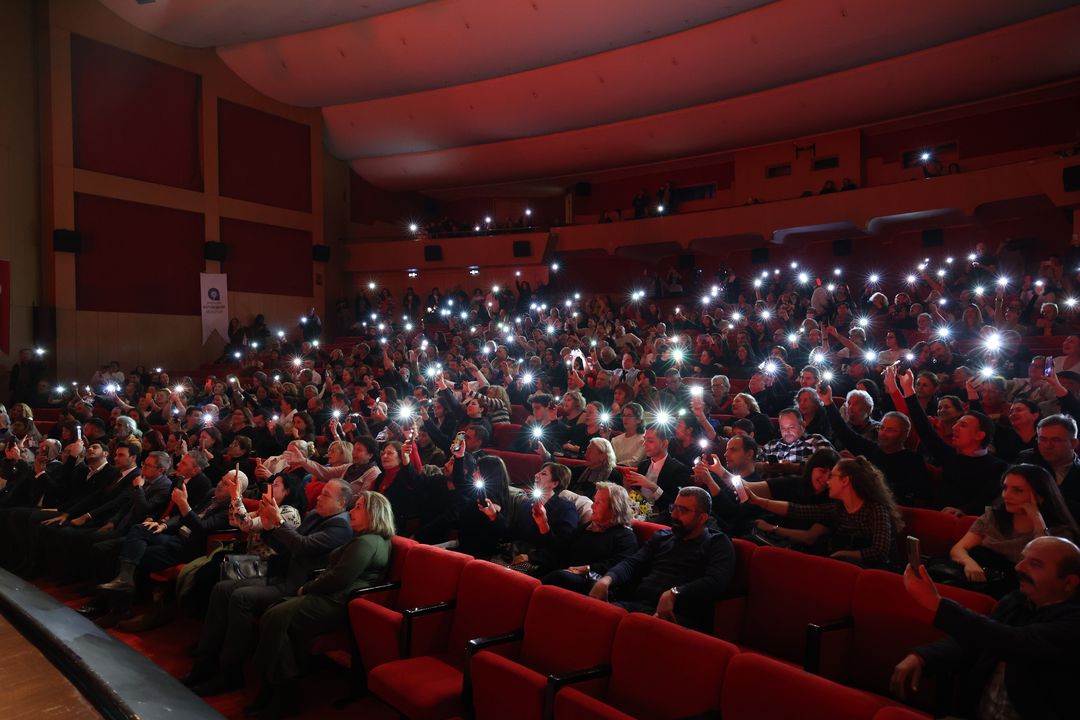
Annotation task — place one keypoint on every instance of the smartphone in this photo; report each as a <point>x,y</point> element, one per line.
<point>458,440</point>
<point>913,555</point>
<point>1048,366</point>
<point>78,431</point>
<point>740,488</point>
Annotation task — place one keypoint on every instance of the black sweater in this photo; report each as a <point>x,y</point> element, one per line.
<point>968,482</point>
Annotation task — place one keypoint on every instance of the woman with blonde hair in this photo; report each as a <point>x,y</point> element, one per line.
<point>287,629</point>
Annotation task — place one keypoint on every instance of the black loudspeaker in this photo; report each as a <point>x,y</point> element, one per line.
<point>433,253</point>
<point>686,262</point>
<point>320,253</point>
<point>67,241</point>
<point>841,247</point>
<point>522,248</point>
<point>214,251</point>
<point>759,256</point>
<point>933,238</point>
<point>1070,178</point>
<point>583,189</point>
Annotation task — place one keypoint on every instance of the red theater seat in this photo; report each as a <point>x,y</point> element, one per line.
<point>564,632</point>
<point>386,632</point>
<point>886,625</point>
<point>519,414</point>
<point>937,531</point>
<point>521,466</point>
<point>504,435</point>
<point>491,601</point>
<point>757,687</point>
<point>787,591</point>
<point>686,683</point>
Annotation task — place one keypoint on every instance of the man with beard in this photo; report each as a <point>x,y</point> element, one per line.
<point>1021,661</point>
<point>680,573</point>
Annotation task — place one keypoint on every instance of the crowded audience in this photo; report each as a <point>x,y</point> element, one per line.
<point>776,407</point>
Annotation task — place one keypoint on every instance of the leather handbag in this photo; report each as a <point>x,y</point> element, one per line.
<point>243,567</point>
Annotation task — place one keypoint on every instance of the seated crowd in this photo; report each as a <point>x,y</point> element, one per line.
<point>788,414</point>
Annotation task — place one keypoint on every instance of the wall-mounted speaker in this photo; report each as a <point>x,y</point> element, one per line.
<point>214,251</point>
<point>522,248</point>
<point>759,256</point>
<point>67,241</point>
<point>320,253</point>
<point>841,247</point>
<point>433,253</point>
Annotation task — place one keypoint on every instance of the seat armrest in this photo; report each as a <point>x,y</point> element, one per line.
<point>361,592</point>
<point>407,616</point>
<point>814,634</point>
<point>557,681</point>
<point>471,648</point>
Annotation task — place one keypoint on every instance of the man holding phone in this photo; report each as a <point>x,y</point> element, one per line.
<point>1020,662</point>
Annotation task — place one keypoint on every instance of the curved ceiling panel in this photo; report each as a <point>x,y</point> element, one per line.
<point>664,74</point>
<point>450,42</point>
<point>1010,59</point>
<point>209,23</point>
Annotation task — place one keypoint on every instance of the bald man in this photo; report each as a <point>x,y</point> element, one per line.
<point>1022,661</point>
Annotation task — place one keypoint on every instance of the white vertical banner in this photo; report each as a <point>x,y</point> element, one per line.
<point>214,300</point>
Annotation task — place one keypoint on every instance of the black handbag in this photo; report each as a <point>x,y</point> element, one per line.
<point>244,567</point>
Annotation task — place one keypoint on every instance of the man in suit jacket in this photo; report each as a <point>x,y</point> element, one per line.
<point>235,605</point>
<point>660,475</point>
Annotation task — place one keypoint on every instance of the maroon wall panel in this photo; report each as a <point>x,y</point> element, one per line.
<point>134,117</point>
<point>263,158</point>
<point>137,258</point>
<point>266,259</point>
<point>619,194</point>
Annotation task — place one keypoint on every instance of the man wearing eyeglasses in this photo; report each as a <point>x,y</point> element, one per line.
<point>1056,451</point>
<point>679,573</point>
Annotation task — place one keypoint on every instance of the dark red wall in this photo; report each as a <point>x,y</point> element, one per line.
<point>266,259</point>
<point>263,158</point>
<point>134,117</point>
<point>137,258</point>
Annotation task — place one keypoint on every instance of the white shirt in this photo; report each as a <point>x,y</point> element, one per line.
<point>653,473</point>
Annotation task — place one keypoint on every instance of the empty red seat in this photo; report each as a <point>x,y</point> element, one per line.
<point>386,632</point>
<point>564,632</point>
<point>757,687</point>
<point>685,683</point>
<point>787,591</point>
<point>491,601</point>
<point>937,531</point>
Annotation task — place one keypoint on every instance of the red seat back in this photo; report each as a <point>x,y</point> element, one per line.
<point>399,550</point>
<point>644,531</point>
<point>788,591</point>
<point>492,600</point>
<point>520,466</point>
<point>251,505</point>
<point>504,435</point>
<point>312,490</point>
<point>937,531</point>
<point>519,414</point>
<point>692,669</point>
<point>430,575</point>
<point>888,625</point>
<point>566,631</point>
<point>758,687</point>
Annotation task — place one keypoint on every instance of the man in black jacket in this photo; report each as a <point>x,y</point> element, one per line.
<point>1023,659</point>
<point>235,605</point>
<point>1056,451</point>
<point>679,574</point>
<point>660,475</point>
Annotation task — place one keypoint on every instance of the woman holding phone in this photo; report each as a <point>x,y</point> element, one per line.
<point>860,526</point>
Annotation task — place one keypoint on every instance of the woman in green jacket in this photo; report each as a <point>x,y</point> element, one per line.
<point>287,629</point>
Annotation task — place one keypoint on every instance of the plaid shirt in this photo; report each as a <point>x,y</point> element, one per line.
<point>796,452</point>
<point>871,523</point>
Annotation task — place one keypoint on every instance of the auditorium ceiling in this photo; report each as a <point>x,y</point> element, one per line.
<point>438,94</point>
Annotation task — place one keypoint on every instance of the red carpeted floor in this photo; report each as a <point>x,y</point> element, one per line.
<point>168,647</point>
